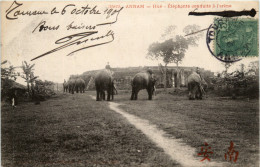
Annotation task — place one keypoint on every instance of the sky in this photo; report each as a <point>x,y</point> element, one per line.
<point>134,31</point>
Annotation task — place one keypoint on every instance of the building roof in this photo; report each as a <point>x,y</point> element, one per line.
<point>16,85</point>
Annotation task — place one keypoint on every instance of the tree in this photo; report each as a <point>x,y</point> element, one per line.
<point>193,34</point>
<point>8,76</point>
<point>169,51</point>
<point>227,66</point>
<point>44,89</point>
<point>29,77</point>
<point>253,67</point>
<point>8,72</point>
<point>173,49</point>
<point>169,33</point>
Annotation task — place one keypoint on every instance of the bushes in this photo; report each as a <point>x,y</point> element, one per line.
<point>43,90</point>
<point>237,86</point>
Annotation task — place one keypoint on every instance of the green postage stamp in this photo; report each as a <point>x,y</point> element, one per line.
<point>236,38</point>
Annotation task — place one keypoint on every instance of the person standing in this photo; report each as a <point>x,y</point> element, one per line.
<point>108,66</point>
<point>13,97</point>
<point>198,72</point>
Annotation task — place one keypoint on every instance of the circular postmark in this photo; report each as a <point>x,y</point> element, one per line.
<point>231,39</point>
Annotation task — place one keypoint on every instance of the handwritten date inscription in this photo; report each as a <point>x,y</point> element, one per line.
<point>14,11</point>
<point>89,38</point>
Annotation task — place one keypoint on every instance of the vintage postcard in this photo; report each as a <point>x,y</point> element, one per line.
<point>129,83</point>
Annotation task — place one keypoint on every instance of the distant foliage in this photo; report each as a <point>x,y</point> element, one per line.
<point>8,76</point>
<point>8,72</point>
<point>43,89</point>
<point>239,83</point>
<point>36,89</point>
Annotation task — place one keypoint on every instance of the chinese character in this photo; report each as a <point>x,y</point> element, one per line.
<point>205,153</point>
<point>231,152</point>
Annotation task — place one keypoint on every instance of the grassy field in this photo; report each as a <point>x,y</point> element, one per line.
<point>75,130</point>
<point>214,120</point>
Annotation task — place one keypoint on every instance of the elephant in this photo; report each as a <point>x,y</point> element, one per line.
<point>72,85</point>
<point>65,86</point>
<point>104,82</point>
<point>80,85</point>
<point>143,80</point>
<point>196,86</point>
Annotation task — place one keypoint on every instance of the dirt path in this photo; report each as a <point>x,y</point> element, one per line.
<point>175,148</point>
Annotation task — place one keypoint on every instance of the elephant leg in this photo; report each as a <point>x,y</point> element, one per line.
<point>193,91</point>
<point>103,95</point>
<point>98,95</point>
<point>112,94</point>
<point>97,98</point>
<point>136,94</point>
<point>199,93</point>
<point>108,95</point>
<point>133,94</point>
<point>189,90</point>
<point>150,95</point>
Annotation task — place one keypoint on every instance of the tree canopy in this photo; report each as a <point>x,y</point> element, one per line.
<point>173,49</point>
<point>170,51</point>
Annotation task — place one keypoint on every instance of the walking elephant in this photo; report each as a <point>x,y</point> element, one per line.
<point>196,86</point>
<point>80,85</point>
<point>72,85</point>
<point>143,80</point>
<point>104,82</point>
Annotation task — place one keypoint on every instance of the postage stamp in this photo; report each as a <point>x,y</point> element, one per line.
<point>234,38</point>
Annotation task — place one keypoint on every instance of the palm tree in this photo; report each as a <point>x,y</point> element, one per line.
<point>29,76</point>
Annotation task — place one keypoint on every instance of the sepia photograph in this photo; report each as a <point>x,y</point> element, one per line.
<point>129,83</point>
